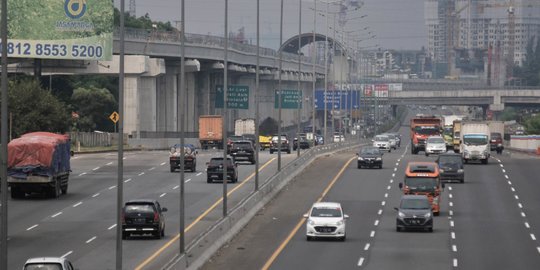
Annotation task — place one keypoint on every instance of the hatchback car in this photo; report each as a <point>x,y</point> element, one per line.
<point>435,145</point>
<point>382,142</point>
<point>274,144</point>
<point>414,212</point>
<point>143,217</point>
<point>370,156</point>
<point>214,170</point>
<point>48,263</point>
<point>451,167</point>
<point>326,219</point>
<point>301,141</point>
<point>243,150</point>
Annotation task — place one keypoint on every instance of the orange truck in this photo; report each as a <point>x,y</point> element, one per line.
<point>211,131</point>
<point>423,127</point>
<point>422,178</point>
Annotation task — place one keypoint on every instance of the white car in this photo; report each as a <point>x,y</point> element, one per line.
<point>382,142</point>
<point>48,263</point>
<point>326,219</point>
<point>339,138</point>
<point>435,145</point>
<point>393,140</point>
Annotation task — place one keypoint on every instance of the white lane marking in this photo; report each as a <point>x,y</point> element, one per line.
<point>124,158</point>
<point>151,169</point>
<point>501,165</point>
<point>112,187</point>
<point>127,180</point>
<point>503,170</point>
<point>513,189</point>
<point>372,234</point>
<point>509,182</point>
<point>395,169</point>
<point>57,214</point>
<point>517,197</point>
<point>95,169</point>
<point>451,223</point>
<point>67,254</point>
<point>455,262</point>
<point>533,237</point>
<point>391,181</point>
<point>141,173</point>
<point>454,248</point>
<point>367,246</point>
<point>110,163</point>
<point>91,239</point>
<point>451,213</point>
<point>523,214</point>
<point>538,248</point>
<point>383,203</point>
<point>162,195</point>
<point>82,174</point>
<point>199,173</point>
<point>32,227</point>
<point>187,181</point>
<point>527,225</point>
<point>393,175</point>
<point>95,195</point>
<point>389,187</point>
<point>520,205</point>
<point>450,196</point>
<point>451,203</point>
<point>379,212</point>
<point>77,204</point>
<point>449,188</point>
<point>506,176</point>
<point>397,164</point>
<point>162,163</point>
<point>175,187</point>
<point>361,261</point>
<point>386,195</point>
<point>453,234</point>
<point>112,227</point>
<point>376,222</point>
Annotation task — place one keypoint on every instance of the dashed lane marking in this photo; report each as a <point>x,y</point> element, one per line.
<point>376,223</point>
<point>527,225</point>
<point>379,212</point>
<point>95,195</point>
<point>451,203</point>
<point>95,169</point>
<point>520,205</point>
<point>506,176</point>
<point>110,163</point>
<point>533,237</point>
<point>451,223</point>
<point>513,189</point>
<point>187,181</point>
<point>199,173</point>
<point>112,187</point>
<point>453,235</point>
<point>67,254</point>
<point>454,248</point>
<point>140,174</point>
<point>91,239</point>
<point>176,187</point>
<point>450,196</point>
<point>32,227</point>
<point>151,169</point>
<point>57,214</point>
<point>455,262</point>
<point>127,180</point>
<point>372,234</point>
<point>523,214</point>
<point>162,163</point>
<point>77,204</point>
<point>361,261</point>
<point>366,247</point>
<point>82,174</point>
<point>383,203</point>
<point>386,195</point>
<point>112,227</point>
<point>162,195</point>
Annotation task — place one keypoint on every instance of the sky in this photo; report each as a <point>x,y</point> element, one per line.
<point>397,24</point>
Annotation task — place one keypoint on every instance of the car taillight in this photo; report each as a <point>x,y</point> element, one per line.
<point>156,217</point>
<point>123,218</point>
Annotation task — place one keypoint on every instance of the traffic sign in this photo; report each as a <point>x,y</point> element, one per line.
<point>237,97</point>
<point>114,117</point>
<point>290,99</point>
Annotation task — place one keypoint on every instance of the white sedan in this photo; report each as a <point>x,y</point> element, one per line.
<point>435,145</point>
<point>326,219</point>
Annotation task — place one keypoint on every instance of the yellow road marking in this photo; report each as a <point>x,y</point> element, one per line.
<point>199,218</point>
<point>302,220</point>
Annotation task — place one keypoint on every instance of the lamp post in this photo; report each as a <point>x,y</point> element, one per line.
<point>279,84</point>
<point>225,100</point>
<point>257,70</point>
<point>299,97</point>
<point>314,75</point>
<point>182,126</point>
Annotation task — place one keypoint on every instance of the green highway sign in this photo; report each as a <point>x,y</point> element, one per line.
<point>290,99</point>
<point>237,97</point>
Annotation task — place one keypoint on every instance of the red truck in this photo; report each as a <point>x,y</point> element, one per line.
<point>422,127</point>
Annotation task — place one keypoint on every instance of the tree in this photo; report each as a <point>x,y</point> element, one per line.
<point>509,114</point>
<point>532,125</point>
<point>94,105</point>
<point>34,109</point>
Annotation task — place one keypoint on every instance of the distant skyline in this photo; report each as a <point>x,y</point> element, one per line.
<point>397,24</point>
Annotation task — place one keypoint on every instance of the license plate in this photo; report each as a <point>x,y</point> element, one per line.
<point>139,221</point>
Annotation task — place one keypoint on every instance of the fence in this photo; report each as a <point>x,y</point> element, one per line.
<point>94,139</point>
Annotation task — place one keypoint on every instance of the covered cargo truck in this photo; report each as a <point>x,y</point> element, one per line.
<point>39,162</point>
<point>211,131</point>
<point>475,138</point>
<point>244,127</point>
<point>423,127</point>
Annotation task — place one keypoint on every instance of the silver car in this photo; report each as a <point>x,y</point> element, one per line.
<point>382,142</point>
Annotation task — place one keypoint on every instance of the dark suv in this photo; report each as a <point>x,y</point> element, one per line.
<point>302,141</point>
<point>214,170</point>
<point>231,140</point>
<point>451,167</point>
<point>495,139</point>
<point>370,156</point>
<point>414,212</point>
<point>243,150</point>
<point>285,147</point>
<point>142,217</point>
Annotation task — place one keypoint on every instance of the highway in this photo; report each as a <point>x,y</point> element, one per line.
<point>492,221</point>
<point>81,224</point>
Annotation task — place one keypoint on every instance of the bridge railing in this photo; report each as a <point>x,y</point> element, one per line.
<point>204,40</point>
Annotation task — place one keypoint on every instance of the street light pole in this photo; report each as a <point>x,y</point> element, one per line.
<point>225,100</point>
<point>326,73</point>
<point>279,84</point>
<point>257,70</point>
<point>182,126</point>
<point>314,56</point>
<point>299,101</point>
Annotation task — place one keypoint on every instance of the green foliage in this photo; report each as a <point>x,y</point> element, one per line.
<point>143,22</point>
<point>34,109</point>
<point>529,72</point>
<point>532,125</point>
<point>509,114</point>
<point>94,105</point>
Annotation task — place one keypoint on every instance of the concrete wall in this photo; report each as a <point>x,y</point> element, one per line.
<point>526,142</point>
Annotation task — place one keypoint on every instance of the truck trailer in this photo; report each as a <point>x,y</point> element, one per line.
<point>211,131</point>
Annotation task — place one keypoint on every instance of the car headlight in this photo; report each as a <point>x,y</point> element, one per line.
<point>401,215</point>
<point>460,170</point>
<point>311,222</point>
<point>441,170</point>
<point>427,215</point>
<point>360,158</point>
<point>378,158</point>
<point>339,223</point>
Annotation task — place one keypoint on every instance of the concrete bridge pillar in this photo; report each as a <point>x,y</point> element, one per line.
<point>167,89</point>
<point>140,104</point>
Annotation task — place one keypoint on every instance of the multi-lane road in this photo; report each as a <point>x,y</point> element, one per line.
<point>81,224</point>
<point>492,221</point>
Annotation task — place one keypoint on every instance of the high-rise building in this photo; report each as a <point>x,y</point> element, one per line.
<point>495,26</point>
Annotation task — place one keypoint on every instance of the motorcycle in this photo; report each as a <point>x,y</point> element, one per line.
<point>499,148</point>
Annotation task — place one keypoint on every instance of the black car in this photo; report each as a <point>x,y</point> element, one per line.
<point>214,170</point>
<point>304,143</point>
<point>243,150</point>
<point>285,146</point>
<point>250,137</point>
<point>414,212</point>
<point>231,140</point>
<point>451,167</point>
<point>143,217</point>
<point>370,156</point>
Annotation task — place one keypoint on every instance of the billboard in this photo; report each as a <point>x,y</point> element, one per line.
<point>60,29</point>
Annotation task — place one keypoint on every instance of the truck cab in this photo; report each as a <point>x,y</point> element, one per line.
<point>423,127</point>
<point>475,146</point>
<point>422,178</point>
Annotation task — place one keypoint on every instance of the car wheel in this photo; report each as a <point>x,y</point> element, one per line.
<point>308,238</point>
<point>271,151</point>
<point>359,166</point>
<point>462,181</point>
<point>343,238</point>
<point>380,166</point>
<point>236,179</point>
<point>64,189</point>
<point>172,168</point>
<point>209,180</point>
<point>125,235</point>
<point>398,229</point>
<point>427,155</point>
<point>430,229</point>
<point>437,214</point>
<point>289,151</point>
<point>163,232</point>
<point>158,235</point>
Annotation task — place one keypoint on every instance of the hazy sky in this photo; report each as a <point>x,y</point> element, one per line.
<point>398,24</point>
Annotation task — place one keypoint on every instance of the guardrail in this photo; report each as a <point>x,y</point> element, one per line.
<point>205,245</point>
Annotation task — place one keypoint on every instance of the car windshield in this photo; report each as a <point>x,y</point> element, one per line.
<point>496,135</point>
<point>475,139</point>
<point>415,204</point>
<point>325,212</point>
<point>448,160</point>
<point>235,138</point>
<point>370,151</point>
<point>427,130</point>
<point>448,130</point>
<point>435,140</point>
<point>381,138</point>
<point>219,161</point>
<point>43,266</point>
<point>421,183</point>
<point>139,208</point>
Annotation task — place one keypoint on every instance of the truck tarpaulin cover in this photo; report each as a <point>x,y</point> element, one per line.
<point>38,153</point>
